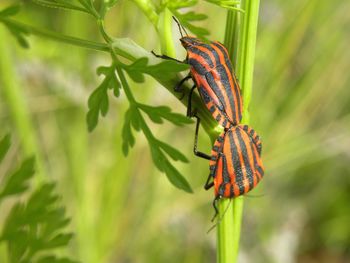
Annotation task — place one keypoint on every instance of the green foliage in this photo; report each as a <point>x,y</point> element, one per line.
<point>65,4</point>
<point>18,32</point>
<point>156,114</point>
<point>162,71</point>
<point>17,183</point>
<point>228,4</point>
<point>98,100</point>
<point>160,151</point>
<point>5,144</point>
<point>34,227</point>
<point>187,19</point>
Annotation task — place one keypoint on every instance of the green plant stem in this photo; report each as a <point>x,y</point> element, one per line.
<point>164,29</point>
<point>243,37</point>
<point>149,10</point>
<point>245,66</point>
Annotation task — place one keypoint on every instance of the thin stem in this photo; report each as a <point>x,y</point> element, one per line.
<point>247,53</point>
<point>164,29</point>
<point>17,106</point>
<point>57,36</point>
<point>149,10</point>
<point>243,37</point>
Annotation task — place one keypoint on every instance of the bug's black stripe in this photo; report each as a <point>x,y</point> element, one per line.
<point>260,170</point>
<point>236,161</point>
<point>255,163</point>
<point>235,87</point>
<point>228,92</point>
<point>205,56</point>
<point>222,189</point>
<point>213,52</point>
<point>256,139</point>
<point>259,148</point>
<point>224,79</point>
<point>225,174</point>
<point>220,139</point>
<point>232,194</point>
<point>215,167</point>
<point>197,66</point>
<point>216,89</point>
<point>205,96</point>
<point>244,148</point>
<point>225,55</point>
<point>252,133</point>
<point>212,109</point>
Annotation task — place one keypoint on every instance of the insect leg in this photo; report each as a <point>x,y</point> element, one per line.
<point>189,104</point>
<point>212,173</point>
<point>215,207</point>
<point>208,185</point>
<point>196,152</point>
<point>178,87</point>
<point>167,57</point>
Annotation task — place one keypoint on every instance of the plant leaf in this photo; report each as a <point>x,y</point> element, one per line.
<point>11,10</point>
<point>172,152</point>
<point>176,178</point>
<point>127,136</point>
<point>18,182</point>
<point>164,70</point>
<point>17,31</point>
<point>63,4</point>
<point>5,144</point>
<point>156,114</point>
<point>162,163</point>
<point>98,100</point>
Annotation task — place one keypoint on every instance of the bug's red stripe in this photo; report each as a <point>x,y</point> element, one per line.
<point>237,159</point>
<point>232,87</point>
<point>235,85</point>
<point>247,153</point>
<point>239,167</point>
<point>220,79</point>
<point>205,53</point>
<point>244,163</point>
<point>197,58</point>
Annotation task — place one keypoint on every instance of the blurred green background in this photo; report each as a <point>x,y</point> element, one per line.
<point>122,208</point>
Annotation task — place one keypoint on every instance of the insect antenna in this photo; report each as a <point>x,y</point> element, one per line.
<point>216,213</point>
<point>180,27</point>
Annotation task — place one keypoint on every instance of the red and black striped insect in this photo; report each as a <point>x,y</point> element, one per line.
<point>211,71</point>
<point>235,165</point>
<point>235,160</point>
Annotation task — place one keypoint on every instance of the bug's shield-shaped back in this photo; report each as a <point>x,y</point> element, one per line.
<point>236,165</point>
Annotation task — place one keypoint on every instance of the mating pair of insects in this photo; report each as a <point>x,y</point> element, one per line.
<point>235,160</point>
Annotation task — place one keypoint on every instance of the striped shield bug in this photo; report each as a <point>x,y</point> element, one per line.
<point>235,160</point>
<point>212,73</point>
<point>235,164</point>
